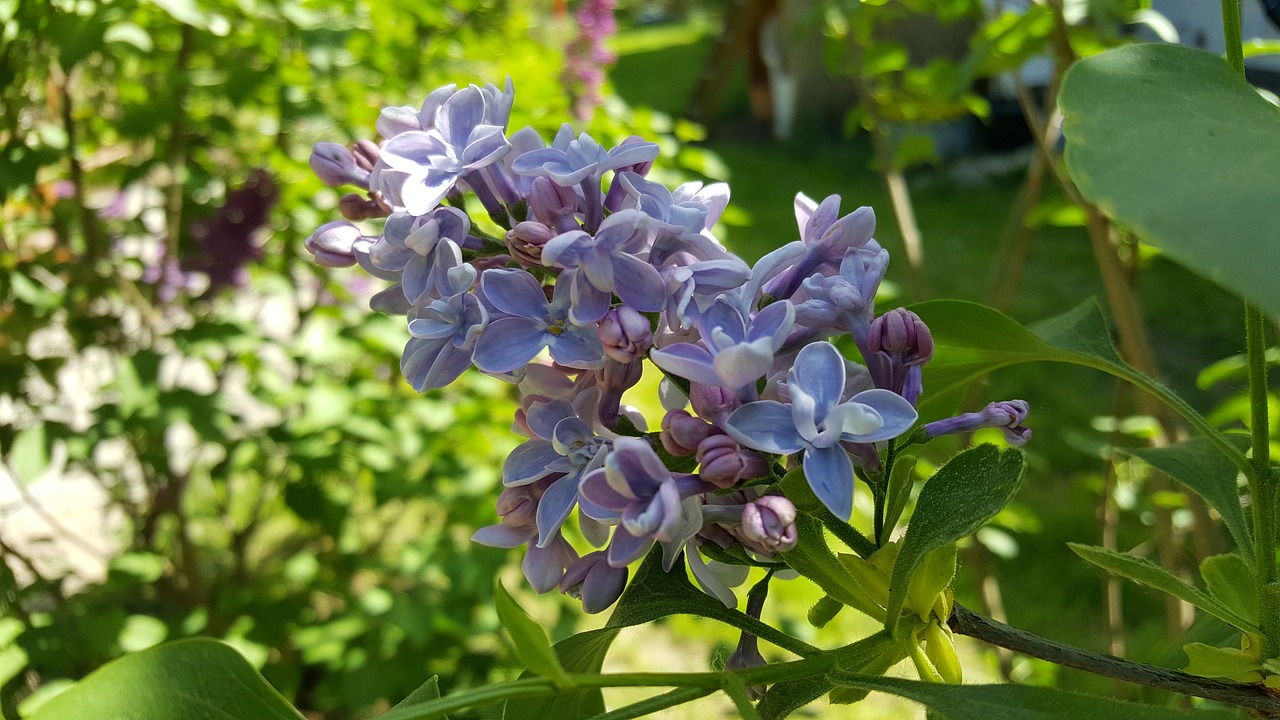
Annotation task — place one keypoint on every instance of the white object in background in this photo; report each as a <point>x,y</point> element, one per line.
<point>782,82</point>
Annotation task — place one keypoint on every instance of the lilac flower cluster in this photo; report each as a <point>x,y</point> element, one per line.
<point>600,269</point>
<point>586,57</point>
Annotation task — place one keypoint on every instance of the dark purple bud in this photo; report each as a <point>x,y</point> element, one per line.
<point>358,207</point>
<point>554,206</point>
<point>903,334</point>
<point>366,154</point>
<point>1007,415</point>
<point>333,244</point>
<point>770,522</point>
<point>336,166</point>
<point>525,242</point>
<point>518,506</point>
<point>626,334</point>
<point>592,580</point>
<point>712,401</point>
<point>682,432</point>
<point>725,463</point>
<point>747,654</point>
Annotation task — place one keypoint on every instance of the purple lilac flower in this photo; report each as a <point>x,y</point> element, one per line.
<point>444,332</point>
<point>635,491</point>
<point>544,566</point>
<point>845,302</point>
<point>594,581</point>
<point>225,243</point>
<point>826,238</point>
<point>333,244</point>
<point>682,433</point>
<point>420,248</point>
<point>817,422</point>
<point>736,353</point>
<point>586,56</point>
<point>724,463</point>
<point>335,165</point>
<point>625,334</point>
<point>526,322</point>
<point>898,345</point>
<point>1007,415</point>
<point>607,264</point>
<point>771,523</point>
<point>563,446</point>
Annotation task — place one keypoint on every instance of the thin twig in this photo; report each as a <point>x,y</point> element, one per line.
<point>967,622</point>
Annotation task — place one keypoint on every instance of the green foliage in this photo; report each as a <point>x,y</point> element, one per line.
<point>960,498</point>
<point>1212,208</point>
<point>532,645</point>
<point>197,679</point>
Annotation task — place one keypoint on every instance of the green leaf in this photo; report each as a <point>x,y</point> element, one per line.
<point>429,690</point>
<point>1145,572</point>
<point>1019,702</point>
<point>1173,144</point>
<point>1218,662</point>
<point>971,340</point>
<point>1231,581</point>
<point>532,644</point>
<point>960,498</point>
<point>581,653</point>
<point>196,679</point>
<point>873,654</point>
<point>898,492</point>
<point>187,12</point>
<point>812,558</point>
<point>1197,464</point>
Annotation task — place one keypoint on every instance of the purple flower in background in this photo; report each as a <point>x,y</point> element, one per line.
<point>1007,415</point>
<point>817,422</point>
<point>607,264</point>
<point>526,323</point>
<point>638,493</point>
<point>586,56</point>
<point>594,581</point>
<point>225,243</point>
<point>736,353</point>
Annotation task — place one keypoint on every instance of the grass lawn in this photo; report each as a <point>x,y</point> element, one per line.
<point>1192,324</point>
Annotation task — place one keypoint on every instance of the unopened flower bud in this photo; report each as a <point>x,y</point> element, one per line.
<point>333,244</point>
<point>770,522</point>
<point>747,654</point>
<point>593,581</point>
<point>518,506</point>
<point>336,166</point>
<point>682,432</point>
<point>553,205</point>
<point>712,401</point>
<point>626,334</point>
<point>901,333</point>
<point>525,242</point>
<point>366,154</point>
<point>1007,415</point>
<point>358,207</point>
<point>725,463</point>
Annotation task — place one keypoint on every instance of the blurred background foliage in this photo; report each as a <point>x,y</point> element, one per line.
<point>250,464</point>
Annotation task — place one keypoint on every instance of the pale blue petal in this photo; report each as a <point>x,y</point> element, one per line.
<point>514,292</point>
<point>765,425</point>
<point>830,474</point>
<point>689,361</point>
<point>726,318</point>
<point>743,364</point>
<point>627,548</point>
<point>510,343</point>
<point>819,374</point>
<point>528,463</point>
<point>501,536</point>
<point>774,322</point>
<point>898,414</point>
<point>555,506</point>
<point>578,347</point>
<point>638,283</point>
<point>587,304</point>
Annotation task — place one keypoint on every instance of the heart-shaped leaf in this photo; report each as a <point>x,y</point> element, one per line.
<point>1175,146</point>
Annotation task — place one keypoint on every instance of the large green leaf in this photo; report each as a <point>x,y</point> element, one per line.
<point>1147,573</point>
<point>1174,145</point>
<point>196,679</point>
<point>869,655</point>
<point>1019,702</point>
<point>581,653</point>
<point>971,340</point>
<point>532,644</point>
<point>960,498</point>
<point>1198,465</point>
<point>812,558</point>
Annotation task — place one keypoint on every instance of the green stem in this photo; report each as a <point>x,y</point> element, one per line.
<point>737,691</point>
<point>1261,482</point>
<point>847,534</point>
<point>649,706</point>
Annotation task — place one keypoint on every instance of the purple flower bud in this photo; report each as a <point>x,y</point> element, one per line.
<point>626,334</point>
<point>592,580</point>
<point>518,505</point>
<point>358,207</point>
<point>770,522</point>
<point>525,242</point>
<point>336,166</point>
<point>553,205</point>
<point>712,401</point>
<point>747,654</point>
<point>725,463</point>
<point>333,244</point>
<point>901,333</point>
<point>682,432</point>
<point>366,154</point>
<point>1007,415</point>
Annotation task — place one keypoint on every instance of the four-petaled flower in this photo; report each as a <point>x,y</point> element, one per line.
<point>526,322</point>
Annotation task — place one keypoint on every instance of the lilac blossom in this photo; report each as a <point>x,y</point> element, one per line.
<point>770,522</point>
<point>817,422</point>
<point>526,323</point>
<point>625,334</point>
<point>607,264</point>
<point>335,165</point>
<point>544,566</point>
<point>724,463</point>
<point>898,345</point>
<point>635,491</point>
<point>594,581</point>
<point>333,244</point>
<point>444,332</point>
<point>734,353</point>
<point>845,302</point>
<point>421,248</point>
<point>586,56</point>
<point>1008,416</point>
<point>682,433</point>
<point>827,238</point>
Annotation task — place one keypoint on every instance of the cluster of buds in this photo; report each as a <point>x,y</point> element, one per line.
<point>597,272</point>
